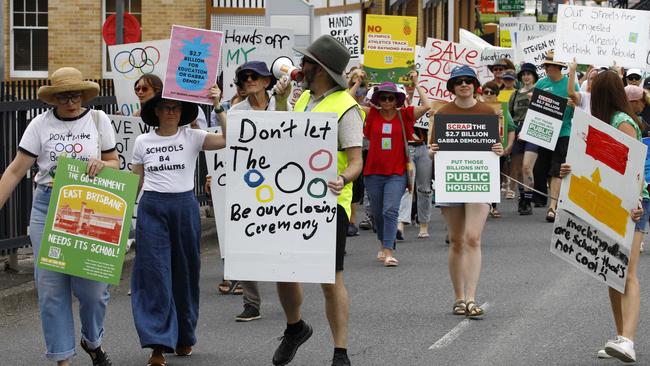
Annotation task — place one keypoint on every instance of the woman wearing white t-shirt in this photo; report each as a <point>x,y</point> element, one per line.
<point>165,280</point>
<point>83,134</point>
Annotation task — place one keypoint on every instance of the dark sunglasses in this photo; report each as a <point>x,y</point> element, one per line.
<point>466,81</point>
<point>143,89</point>
<point>387,98</point>
<point>252,75</point>
<point>497,68</point>
<point>634,77</point>
<point>489,92</point>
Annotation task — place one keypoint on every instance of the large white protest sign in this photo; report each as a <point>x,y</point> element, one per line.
<point>508,25</point>
<point>346,28</point>
<point>129,62</point>
<point>602,36</point>
<point>529,32</point>
<point>127,129</point>
<point>215,161</point>
<point>593,229</point>
<point>247,43</point>
<point>279,209</point>
<point>467,176</point>
<point>543,119</point>
<point>489,53</point>
<point>534,51</point>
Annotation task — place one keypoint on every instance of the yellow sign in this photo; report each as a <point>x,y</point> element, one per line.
<point>389,47</point>
<point>504,38</point>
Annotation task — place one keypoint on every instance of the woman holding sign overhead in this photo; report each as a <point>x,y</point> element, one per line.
<point>465,221</point>
<point>387,128</point>
<point>165,280</point>
<point>609,104</point>
<point>84,134</point>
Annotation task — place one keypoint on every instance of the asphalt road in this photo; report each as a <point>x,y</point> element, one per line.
<point>539,311</point>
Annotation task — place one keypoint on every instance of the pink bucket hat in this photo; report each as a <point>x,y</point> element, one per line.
<point>634,92</point>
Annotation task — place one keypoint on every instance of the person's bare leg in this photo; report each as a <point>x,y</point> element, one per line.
<point>455,220</point>
<point>475,217</point>
<point>63,363</point>
<point>527,166</point>
<point>556,184</point>
<point>290,295</point>
<point>631,299</point>
<point>337,309</point>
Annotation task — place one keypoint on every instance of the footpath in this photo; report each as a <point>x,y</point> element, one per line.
<point>17,289</point>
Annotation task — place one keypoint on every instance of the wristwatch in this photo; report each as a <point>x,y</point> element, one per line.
<point>219,110</point>
<point>345,180</point>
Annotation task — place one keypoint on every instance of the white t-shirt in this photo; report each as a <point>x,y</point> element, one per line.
<point>201,120</point>
<point>585,101</point>
<point>47,137</point>
<point>169,161</point>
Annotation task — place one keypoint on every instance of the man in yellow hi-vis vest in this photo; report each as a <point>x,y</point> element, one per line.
<point>323,65</point>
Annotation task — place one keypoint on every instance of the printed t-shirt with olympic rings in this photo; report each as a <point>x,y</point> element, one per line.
<point>48,136</point>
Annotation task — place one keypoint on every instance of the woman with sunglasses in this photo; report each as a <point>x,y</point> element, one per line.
<point>634,77</point>
<point>83,134</point>
<point>524,153</point>
<point>384,173</point>
<point>148,86</point>
<point>465,221</point>
<point>165,279</point>
<point>609,104</point>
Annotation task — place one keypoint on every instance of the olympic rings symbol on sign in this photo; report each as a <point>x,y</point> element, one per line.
<point>69,148</point>
<point>141,59</point>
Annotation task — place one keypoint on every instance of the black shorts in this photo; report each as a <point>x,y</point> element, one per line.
<point>559,156</point>
<point>357,186</point>
<point>342,223</point>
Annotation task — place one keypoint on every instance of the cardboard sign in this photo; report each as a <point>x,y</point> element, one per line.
<point>129,62</point>
<point>467,176</point>
<point>87,223</point>
<point>246,43</point>
<point>192,65</point>
<point>470,132</point>
<point>127,129</point>
<point>528,32</point>
<point>534,51</point>
<point>279,209</point>
<point>593,229</point>
<point>544,119</point>
<point>438,59</point>
<point>389,47</point>
<point>215,161</point>
<point>508,25</point>
<point>346,28</point>
<point>602,36</point>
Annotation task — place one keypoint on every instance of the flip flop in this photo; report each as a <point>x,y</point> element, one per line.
<point>381,256</point>
<point>550,215</point>
<point>423,235</point>
<point>391,262</point>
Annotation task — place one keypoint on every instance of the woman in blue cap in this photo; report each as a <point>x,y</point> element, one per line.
<point>465,221</point>
<point>524,154</point>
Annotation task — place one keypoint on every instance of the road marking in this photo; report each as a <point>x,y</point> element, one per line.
<point>454,333</point>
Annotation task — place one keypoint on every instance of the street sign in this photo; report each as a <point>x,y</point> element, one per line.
<point>131,29</point>
<point>510,6</point>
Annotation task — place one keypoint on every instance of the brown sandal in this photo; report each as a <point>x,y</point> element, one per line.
<point>550,215</point>
<point>474,311</point>
<point>460,307</point>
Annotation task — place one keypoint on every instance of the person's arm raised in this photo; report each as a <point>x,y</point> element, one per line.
<point>13,174</point>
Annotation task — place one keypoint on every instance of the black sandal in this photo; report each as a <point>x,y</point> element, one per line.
<point>460,307</point>
<point>474,311</point>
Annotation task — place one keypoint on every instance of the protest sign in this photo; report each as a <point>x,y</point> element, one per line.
<point>129,62</point>
<point>389,47</point>
<point>528,32</point>
<point>467,176</point>
<point>593,229</point>
<point>127,129</point>
<point>466,132</point>
<point>513,6</point>
<point>534,51</point>
<point>279,209</point>
<point>544,119</point>
<point>87,223</point>
<point>438,59</point>
<point>602,36</point>
<point>508,25</point>
<point>423,122</point>
<point>215,161</point>
<point>192,64</point>
<point>246,43</point>
<point>346,28</point>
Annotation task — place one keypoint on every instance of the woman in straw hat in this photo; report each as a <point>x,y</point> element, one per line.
<point>165,280</point>
<point>84,134</point>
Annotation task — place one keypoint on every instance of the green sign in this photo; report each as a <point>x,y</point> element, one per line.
<point>514,6</point>
<point>88,222</point>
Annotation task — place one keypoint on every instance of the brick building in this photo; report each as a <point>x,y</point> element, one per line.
<point>40,36</point>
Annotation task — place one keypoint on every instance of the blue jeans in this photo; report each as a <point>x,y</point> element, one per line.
<point>385,193</point>
<point>165,280</point>
<point>55,292</point>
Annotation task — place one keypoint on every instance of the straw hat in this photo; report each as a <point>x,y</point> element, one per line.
<point>67,79</point>
<point>549,60</point>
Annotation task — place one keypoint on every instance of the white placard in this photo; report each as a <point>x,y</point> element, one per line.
<point>602,36</point>
<point>247,43</point>
<point>129,62</point>
<point>534,51</point>
<point>508,25</point>
<point>529,32</point>
<point>467,176</point>
<point>280,212</point>
<point>215,161</point>
<point>603,187</point>
<point>346,28</point>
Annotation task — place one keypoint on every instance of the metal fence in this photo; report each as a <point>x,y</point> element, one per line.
<point>18,105</point>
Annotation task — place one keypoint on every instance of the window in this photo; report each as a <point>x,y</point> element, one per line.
<point>133,7</point>
<point>28,38</point>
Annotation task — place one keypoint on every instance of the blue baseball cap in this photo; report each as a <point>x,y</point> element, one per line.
<point>460,71</point>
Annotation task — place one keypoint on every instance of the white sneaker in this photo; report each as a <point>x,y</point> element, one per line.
<point>642,247</point>
<point>621,348</point>
<point>603,354</point>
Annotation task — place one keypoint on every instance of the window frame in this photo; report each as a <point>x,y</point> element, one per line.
<point>23,73</point>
